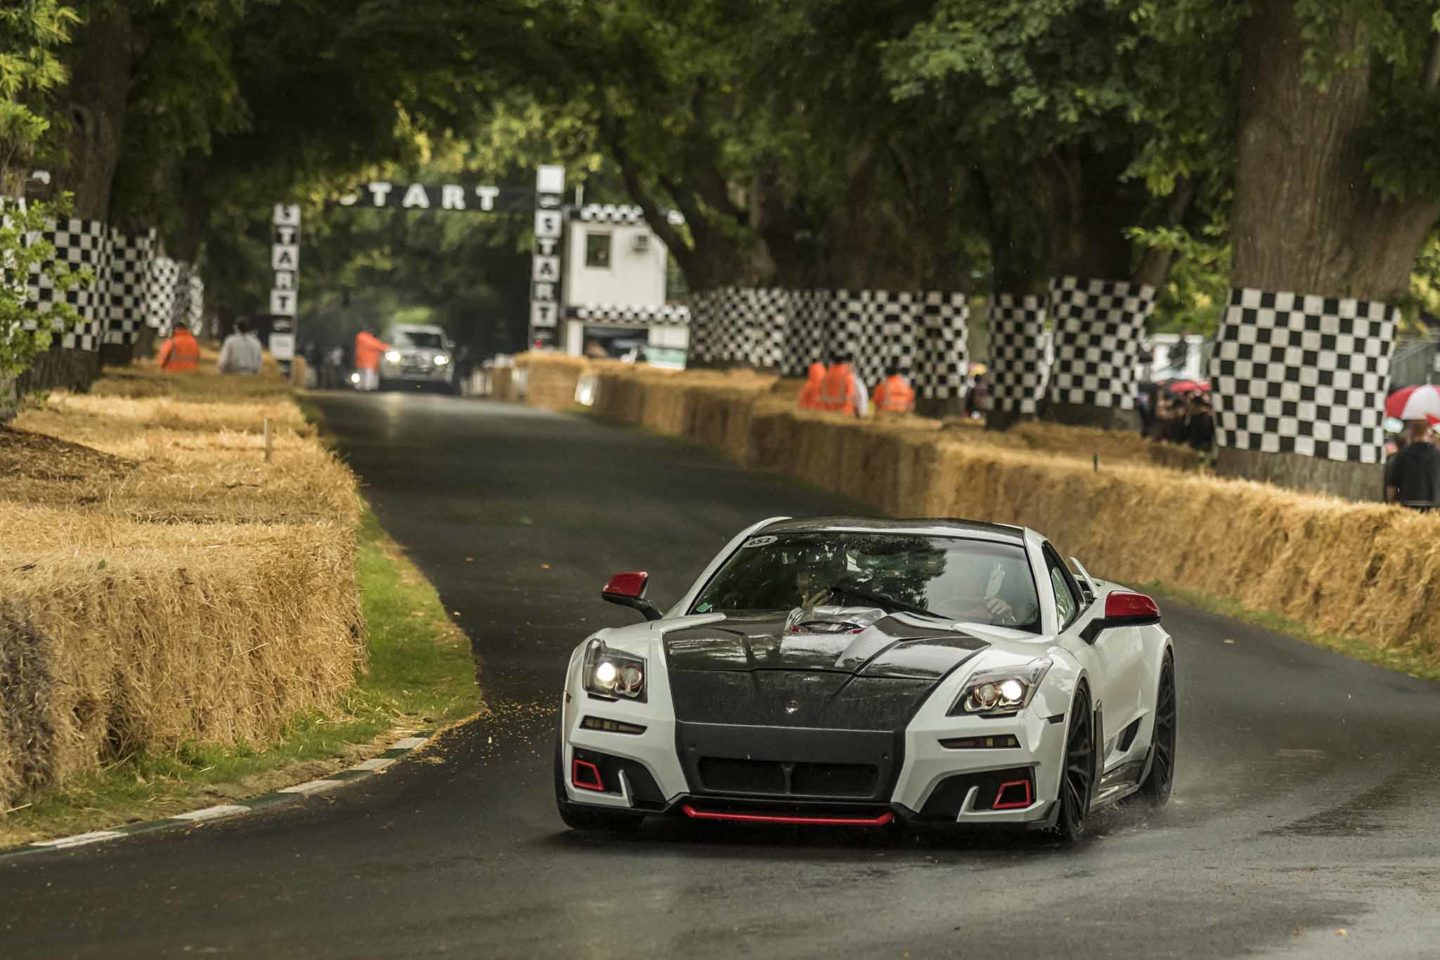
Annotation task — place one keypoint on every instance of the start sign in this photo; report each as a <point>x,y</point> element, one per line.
<point>481,198</point>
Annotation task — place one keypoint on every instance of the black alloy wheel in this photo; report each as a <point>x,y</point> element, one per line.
<point>1157,783</point>
<point>1077,783</point>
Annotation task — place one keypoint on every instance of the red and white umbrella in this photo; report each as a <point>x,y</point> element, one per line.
<point>1414,403</point>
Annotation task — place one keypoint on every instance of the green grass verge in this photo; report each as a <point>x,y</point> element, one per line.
<point>421,675</point>
<point>1405,661</point>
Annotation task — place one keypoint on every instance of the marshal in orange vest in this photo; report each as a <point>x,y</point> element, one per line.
<point>894,394</point>
<point>180,353</point>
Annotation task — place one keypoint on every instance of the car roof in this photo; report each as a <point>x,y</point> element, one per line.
<point>923,526</point>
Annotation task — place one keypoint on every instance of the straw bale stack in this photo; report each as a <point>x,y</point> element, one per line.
<point>550,378</point>
<point>162,582</point>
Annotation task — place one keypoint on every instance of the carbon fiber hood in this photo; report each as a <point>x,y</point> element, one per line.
<point>751,671</point>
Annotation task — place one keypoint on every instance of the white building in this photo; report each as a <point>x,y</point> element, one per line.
<point>614,285</point>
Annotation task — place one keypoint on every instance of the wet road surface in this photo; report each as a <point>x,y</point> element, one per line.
<point>1304,822</point>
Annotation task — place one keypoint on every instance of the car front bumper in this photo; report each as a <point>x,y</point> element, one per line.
<point>935,783</point>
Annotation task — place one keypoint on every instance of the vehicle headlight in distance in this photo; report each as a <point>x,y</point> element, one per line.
<point>441,359</point>
<point>392,355</point>
<point>614,675</point>
<point>1001,692</point>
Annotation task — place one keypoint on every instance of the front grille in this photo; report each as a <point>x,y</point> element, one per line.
<point>732,760</point>
<point>774,778</point>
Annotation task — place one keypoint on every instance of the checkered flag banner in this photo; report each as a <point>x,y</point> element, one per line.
<point>807,331</point>
<point>1019,352</point>
<point>1099,332</point>
<point>161,288</point>
<point>942,359</point>
<point>877,329</point>
<point>78,245</point>
<point>1303,374</point>
<point>788,330</point>
<point>130,257</point>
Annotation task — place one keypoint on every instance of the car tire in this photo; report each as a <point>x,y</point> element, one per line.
<point>580,817</point>
<point>1160,776</point>
<point>1077,774</point>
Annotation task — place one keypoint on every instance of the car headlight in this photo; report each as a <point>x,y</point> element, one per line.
<point>1002,692</point>
<point>392,355</point>
<point>614,675</point>
<point>441,359</point>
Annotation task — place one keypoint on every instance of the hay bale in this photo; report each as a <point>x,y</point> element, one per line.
<point>162,634</point>
<point>163,583</point>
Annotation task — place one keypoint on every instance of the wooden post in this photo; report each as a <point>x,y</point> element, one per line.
<point>267,439</point>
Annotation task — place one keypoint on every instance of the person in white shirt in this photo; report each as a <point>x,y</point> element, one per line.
<point>240,353</point>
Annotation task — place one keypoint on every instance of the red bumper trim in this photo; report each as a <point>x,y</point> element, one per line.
<point>876,821</point>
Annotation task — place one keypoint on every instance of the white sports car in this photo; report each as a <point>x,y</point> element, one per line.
<point>863,672</point>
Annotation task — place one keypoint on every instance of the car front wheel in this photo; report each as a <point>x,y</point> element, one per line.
<point>1161,776</point>
<point>1077,780</point>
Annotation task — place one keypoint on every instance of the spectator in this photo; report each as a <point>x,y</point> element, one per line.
<point>977,399</point>
<point>1200,430</point>
<point>332,371</point>
<point>1412,477</point>
<point>180,353</point>
<point>240,353</point>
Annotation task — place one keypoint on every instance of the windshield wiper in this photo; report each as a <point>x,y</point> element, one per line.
<point>886,603</point>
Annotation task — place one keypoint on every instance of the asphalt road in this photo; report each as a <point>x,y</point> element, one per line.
<point>1304,822</point>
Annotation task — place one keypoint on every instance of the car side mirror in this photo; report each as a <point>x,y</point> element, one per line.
<point>628,590</point>
<point>1122,609</point>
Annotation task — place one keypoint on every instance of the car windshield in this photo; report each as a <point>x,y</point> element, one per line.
<point>419,338</point>
<point>956,578</point>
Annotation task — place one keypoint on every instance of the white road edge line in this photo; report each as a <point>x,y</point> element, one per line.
<point>79,839</point>
<point>311,786</point>
<point>212,813</point>
<point>409,743</point>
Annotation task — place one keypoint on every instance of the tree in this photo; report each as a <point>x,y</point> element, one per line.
<point>30,70</point>
<point>1336,188</point>
<point>1089,128</point>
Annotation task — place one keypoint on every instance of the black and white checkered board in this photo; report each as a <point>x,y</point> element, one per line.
<point>791,329</point>
<point>160,293</point>
<point>78,245</point>
<point>1019,353</point>
<point>629,315</point>
<point>807,331</point>
<point>1099,331</point>
<point>942,357</point>
<point>877,329</point>
<point>719,320</point>
<point>195,297</point>
<point>1303,374</point>
<point>130,257</point>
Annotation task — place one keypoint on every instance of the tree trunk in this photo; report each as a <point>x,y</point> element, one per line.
<point>1305,218</point>
<point>101,63</point>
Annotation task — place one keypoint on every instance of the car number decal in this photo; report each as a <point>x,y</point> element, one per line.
<point>758,542</point>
